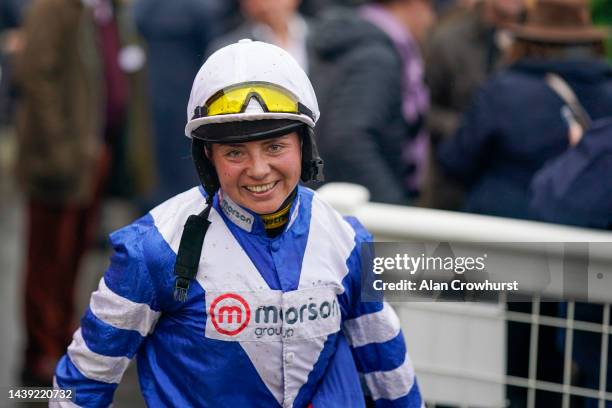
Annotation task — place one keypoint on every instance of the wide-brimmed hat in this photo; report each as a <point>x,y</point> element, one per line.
<point>559,21</point>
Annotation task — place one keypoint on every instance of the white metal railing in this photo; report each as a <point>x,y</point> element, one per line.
<point>389,222</point>
<point>459,349</point>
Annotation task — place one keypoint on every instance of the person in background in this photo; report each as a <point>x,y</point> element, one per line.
<point>446,7</point>
<point>128,124</point>
<point>516,123</point>
<point>366,66</point>
<point>276,22</point>
<point>177,34</point>
<point>574,188</point>
<point>463,51</point>
<point>61,165</point>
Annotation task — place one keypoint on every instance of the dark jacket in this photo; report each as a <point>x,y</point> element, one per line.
<point>356,73</point>
<point>514,126</point>
<point>177,34</point>
<point>59,123</point>
<point>460,55</point>
<point>11,13</point>
<point>576,187</point>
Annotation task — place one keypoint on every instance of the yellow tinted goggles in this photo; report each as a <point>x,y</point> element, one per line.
<point>235,99</point>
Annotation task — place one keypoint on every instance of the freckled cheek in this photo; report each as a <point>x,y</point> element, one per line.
<point>228,175</point>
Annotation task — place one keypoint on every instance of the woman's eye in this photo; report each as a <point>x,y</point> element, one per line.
<point>274,148</point>
<point>232,154</point>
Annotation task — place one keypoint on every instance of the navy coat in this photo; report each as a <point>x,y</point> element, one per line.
<point>515,126</point>
<point>576,188</point>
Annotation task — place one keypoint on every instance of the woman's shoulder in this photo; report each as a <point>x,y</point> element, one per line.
<point>325,216</point>
<point>160,228</point>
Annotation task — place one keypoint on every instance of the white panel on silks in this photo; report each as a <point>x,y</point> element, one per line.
<point>330,242</point>
<point>170,216</point>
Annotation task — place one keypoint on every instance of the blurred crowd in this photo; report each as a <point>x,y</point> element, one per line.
<point>498,107</point>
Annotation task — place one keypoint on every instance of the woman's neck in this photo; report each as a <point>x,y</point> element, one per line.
<point>275,222</point>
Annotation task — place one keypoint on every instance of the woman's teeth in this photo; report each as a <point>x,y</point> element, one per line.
<point>261,188</point>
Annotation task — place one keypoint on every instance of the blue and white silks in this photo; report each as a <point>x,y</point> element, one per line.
<point>267,322</point>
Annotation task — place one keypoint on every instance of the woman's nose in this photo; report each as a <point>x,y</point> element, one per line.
<point>259,167</point>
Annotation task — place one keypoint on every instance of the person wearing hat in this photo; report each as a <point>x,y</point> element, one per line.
<point>244,291</point>
<point>519,122</point>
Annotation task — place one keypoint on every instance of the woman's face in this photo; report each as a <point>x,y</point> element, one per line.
<point>259,175</point>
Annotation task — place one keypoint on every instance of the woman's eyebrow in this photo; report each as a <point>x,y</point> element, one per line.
<point>276,139</point>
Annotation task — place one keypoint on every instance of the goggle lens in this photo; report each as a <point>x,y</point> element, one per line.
<point>236,99</point>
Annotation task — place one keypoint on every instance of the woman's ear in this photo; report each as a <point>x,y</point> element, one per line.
<point>208,152</point>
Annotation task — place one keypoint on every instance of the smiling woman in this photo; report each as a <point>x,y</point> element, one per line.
<point>264,283</point>
<point>258,175</point>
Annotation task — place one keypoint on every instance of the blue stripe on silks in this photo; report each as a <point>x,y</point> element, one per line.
<point>353,280</point>
<point>127,274</point>
<point>161,259</point>
<point>104,339</point>
<point>365,308</point>
<point>349,299</point>
<point>270,255</point>
<point>307,390</point>
<point>257,249</point>
<point>294,243</point>
<point>340,385</point>
<point>411,400</point>
<point>381,356</point>
<point>89,393</point>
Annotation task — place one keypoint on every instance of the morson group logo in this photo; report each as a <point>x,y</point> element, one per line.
<point>272,315</point>
<point>230,314</point>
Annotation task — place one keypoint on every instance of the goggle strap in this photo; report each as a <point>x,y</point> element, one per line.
<point>200,112</point>
<point>303,109</point>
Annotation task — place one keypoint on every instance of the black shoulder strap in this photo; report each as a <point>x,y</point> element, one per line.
<point>190,249</point>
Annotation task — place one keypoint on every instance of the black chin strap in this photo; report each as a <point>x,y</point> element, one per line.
<point>189,252</point>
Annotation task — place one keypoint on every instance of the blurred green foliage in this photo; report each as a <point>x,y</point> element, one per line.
<point>601,11</point>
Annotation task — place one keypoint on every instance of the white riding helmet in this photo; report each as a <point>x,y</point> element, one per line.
<point>236,76</point>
